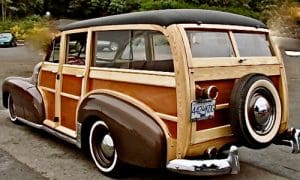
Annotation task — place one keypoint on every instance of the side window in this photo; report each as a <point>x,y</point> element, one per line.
<point>136,50</point>
<point>54,51</point>
<point>141,50</point>
<point>210,44</point>
<point>161,47</point>
<point>250,44</point>
<point>76,49</point>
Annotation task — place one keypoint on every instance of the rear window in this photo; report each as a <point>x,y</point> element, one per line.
<point>250,44</point>
<point>210,44</point>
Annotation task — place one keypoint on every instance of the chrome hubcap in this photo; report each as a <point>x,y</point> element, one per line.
<point>107,146</point>
<point>262,111</point>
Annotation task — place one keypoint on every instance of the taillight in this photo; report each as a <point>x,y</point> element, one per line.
<point>210,92</point>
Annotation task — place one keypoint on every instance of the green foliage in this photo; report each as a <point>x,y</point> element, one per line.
<point>83,9</point>
<point>121,6</point>
<point>146,5</point>
<point>173,4</point>
<point>283,18</point>
<point>21,27</point>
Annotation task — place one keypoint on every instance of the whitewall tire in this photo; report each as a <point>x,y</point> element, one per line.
<point>255,111</point>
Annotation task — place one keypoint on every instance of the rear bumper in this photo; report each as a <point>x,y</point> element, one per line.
<point>229,165</point>
<point>290,138</point>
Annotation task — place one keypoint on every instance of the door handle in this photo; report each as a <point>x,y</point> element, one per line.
<point>242,60</point>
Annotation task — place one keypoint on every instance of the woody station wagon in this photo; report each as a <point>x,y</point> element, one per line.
<point>179,89</point>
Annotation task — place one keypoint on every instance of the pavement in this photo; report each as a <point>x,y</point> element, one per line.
<point>27,153</point>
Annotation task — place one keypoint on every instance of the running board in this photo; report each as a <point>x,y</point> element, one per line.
<point>51,131</point>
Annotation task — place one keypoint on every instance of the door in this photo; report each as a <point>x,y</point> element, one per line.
<point>72,81</point>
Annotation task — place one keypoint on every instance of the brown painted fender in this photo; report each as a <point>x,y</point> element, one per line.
<point>139,138</point>
<point>26,97</point>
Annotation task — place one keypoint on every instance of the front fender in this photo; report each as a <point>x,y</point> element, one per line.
<point>26,97</point>
<point>139,138</point>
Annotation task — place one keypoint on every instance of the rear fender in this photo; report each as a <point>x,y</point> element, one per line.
<point>140,136</point>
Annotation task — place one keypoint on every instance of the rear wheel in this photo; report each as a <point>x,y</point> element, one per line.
<point>11,108</point>
<point>103,149</point>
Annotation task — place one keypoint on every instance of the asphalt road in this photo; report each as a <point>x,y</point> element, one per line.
<point>27,153</point>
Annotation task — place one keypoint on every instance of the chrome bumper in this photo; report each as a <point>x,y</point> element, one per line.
<point>229,165</point>
<point>290,138</point>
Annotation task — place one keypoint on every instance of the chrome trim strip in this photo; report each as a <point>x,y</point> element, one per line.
<point>37,126</point>
<point>230,165</point>
<point>51,131</point>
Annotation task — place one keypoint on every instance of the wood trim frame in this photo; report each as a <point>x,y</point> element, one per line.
<point>130,27</point>
<point>210,134</point>
<point>140,105</point>
<point>205,74</point>
<point>80,71</point>
<point>283,89</point>
<point>50,67</point>
<point>60,128</point>
<point>133,76</point>
<point>167,117</point>
<point>181,63</point>
<point>224,61</point>
<point>225,27</point>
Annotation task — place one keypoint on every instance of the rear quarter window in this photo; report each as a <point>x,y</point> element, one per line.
<point>210,44</point>
<point>250,44</point>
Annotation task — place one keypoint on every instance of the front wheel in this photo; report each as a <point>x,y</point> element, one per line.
<point>11,109</point>
<point>103,149</point>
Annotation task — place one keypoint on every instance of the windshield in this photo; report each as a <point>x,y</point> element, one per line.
<point>5,35</point>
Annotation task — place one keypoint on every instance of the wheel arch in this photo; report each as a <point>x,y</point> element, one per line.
<point>136,127</point>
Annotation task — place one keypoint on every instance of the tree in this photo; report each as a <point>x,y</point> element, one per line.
<point>283,18</point>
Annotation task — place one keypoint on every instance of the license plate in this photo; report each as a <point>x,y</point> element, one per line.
<point>203,109</point>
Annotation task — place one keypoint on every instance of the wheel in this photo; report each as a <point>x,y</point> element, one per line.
<point>103,150</point>
<point>11,108</point>
<point>255,111</point>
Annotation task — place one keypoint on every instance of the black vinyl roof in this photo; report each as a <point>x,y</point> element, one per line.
<point>168,17</point>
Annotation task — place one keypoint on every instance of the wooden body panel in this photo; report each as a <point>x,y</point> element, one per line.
<point>47,79</point>
<point>160,99</point>
<point>68,112</point>
<point>47,87</point>
<point>50,96</point>
<point>72,85</point>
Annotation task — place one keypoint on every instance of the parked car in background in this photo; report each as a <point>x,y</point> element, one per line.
<point>7,39</point>
<point>107,46</point>
<point>181,90</point>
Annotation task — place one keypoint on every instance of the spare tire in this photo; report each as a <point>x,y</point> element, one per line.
<point>255,111</point>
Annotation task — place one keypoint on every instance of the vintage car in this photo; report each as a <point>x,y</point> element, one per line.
<point>7,39</point>
<point>181,90</point>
